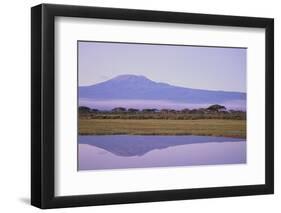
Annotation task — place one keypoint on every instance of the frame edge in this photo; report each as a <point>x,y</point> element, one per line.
<point>36,85</point>
<point>269,84</point>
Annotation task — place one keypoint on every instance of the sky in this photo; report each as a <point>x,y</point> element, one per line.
<point>211,68</point>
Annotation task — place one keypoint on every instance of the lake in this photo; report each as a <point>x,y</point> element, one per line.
<point>99,152</point>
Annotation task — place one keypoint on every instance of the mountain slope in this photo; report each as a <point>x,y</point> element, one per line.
<point>132,87</point>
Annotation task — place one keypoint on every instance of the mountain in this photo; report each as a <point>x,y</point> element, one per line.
<point>124,145</point>
<point>140,92</point>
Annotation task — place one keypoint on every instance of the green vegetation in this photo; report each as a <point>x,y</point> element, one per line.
<point>212,121</point>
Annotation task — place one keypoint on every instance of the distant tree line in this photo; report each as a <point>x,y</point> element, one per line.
<point>215,111</point>
<point>212,108</point>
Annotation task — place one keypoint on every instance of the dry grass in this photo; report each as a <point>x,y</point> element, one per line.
<point>210,127</point>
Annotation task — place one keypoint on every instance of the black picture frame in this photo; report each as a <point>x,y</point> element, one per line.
<point>43,101</point>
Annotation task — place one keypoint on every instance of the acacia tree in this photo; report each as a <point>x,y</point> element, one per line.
<point>216,108</point>
<point>133,110</point>
<point>186,110</point>
<point>119,109</point>
<point>149,110</point>
<point>84,109</point>
<point>94,110</point>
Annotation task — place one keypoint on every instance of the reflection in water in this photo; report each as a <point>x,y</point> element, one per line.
<point>130,151</point>
<point>128,145</point>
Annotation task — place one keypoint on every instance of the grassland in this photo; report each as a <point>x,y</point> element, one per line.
<point>205,127</point>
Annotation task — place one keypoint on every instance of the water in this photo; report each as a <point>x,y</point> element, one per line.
<point>131,151</point>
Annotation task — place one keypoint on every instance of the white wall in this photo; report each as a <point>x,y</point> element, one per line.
<point>15,105</point>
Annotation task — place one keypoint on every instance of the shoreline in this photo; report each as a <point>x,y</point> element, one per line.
<point>117,134</point>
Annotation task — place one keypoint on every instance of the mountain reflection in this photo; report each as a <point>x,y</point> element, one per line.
<point>138,145</point>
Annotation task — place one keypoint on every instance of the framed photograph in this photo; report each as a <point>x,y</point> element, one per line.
<point>140,106</point>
